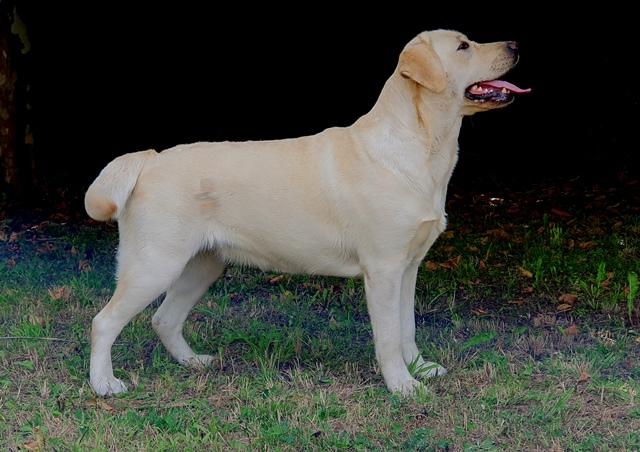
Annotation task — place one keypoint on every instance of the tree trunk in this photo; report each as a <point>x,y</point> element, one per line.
<point>17,164</point>
<point>8,78</point>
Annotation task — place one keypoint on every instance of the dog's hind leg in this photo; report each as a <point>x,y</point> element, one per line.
<point>201,271</point>
<point>141,280</point>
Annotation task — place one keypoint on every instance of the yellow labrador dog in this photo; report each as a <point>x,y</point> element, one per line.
<point>365,200</point>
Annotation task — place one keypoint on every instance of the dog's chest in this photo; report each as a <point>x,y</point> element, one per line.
<point>425,234</point>
<point>427,208</point>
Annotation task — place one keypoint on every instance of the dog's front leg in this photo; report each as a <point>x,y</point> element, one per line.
<point>410,351</point>
<point>383,289</point>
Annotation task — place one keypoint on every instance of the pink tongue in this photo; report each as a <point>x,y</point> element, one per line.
<point>510,86</point>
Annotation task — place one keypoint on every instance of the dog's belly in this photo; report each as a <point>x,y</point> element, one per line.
<point>285,264</point>
<point>308,255</point>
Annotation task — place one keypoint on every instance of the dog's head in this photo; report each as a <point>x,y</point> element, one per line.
<point>449,65</point>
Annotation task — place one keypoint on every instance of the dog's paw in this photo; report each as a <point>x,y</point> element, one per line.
<point>198,361</point>
<point>406,387</point>
<point>108,386</point>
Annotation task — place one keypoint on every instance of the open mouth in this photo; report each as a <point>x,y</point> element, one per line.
<point>496,91</point>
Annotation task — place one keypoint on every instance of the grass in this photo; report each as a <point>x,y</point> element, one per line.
<point>533,309</point>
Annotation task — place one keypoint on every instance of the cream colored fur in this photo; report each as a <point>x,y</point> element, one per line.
<point>366,200</point>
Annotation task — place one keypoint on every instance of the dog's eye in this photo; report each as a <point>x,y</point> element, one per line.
<point>463,45</point>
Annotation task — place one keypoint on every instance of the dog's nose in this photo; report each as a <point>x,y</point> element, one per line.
<point>512,48</point>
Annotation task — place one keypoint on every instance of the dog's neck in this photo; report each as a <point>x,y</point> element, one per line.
<point>415,112</point>
<point>414,131</point>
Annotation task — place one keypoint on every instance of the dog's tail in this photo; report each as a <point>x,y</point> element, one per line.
<point>106,197</point>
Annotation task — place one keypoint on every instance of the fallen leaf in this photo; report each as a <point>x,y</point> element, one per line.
<point>479,312</point>
<point>36,319</point>
<point>105,406</point>
<point>431,266</point>
<point>498,234</point>
<point>84,266</point>
<point>564,307</point>
<point>584,377</point>
<point>568,298</point>
<point>526,273</point>
<point>309,285</point>
<point>11,263</point>
<point>607,281</point>
<point>447,235</point>
<point>571,330</point>
<point>74,250</point>
<point>528,289</point>
<point>451,263</point>
<point>561,213</point>
<point>482,265</point>
<point>60,293</point>
<point>32,445</point>
<point>587,245</point>
<point>37,443</point>
<point>448,265</point>
<point>100,404</point>
<point>473,249</point>
<point>276,279</point>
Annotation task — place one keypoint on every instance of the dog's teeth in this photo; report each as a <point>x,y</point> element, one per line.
<point>505,90</point>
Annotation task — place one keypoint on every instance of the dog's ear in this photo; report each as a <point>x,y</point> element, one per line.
<point>420,63</point>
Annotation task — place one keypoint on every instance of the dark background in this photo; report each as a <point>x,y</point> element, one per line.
<point>112,80</point>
